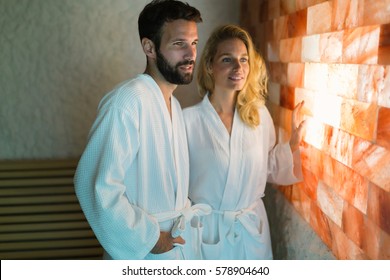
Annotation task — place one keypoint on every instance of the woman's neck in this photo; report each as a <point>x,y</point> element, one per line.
<point>223,102</point>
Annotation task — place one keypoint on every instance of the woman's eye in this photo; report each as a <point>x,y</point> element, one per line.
<point>244,60</point>
<point>226,59</point>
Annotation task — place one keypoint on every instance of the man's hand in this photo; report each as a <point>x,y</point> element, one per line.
<point>165,243</point>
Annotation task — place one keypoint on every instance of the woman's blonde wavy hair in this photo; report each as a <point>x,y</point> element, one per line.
<point>254,92</point>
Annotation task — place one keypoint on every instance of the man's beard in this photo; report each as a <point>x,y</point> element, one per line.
<point>172,73</point>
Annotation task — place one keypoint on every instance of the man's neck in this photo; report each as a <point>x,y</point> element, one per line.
<point>165,87</point>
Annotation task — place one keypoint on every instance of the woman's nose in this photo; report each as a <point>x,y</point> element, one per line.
<point>237,64</point>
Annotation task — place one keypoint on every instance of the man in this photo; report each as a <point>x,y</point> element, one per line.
<point>132,179</point>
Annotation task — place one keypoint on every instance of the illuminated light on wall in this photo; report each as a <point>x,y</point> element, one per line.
<point>315,133</point>
<point>327,109</point>
<point>331,47</point>
<point>316,76</point>
<point>310,48</point>
<point>342,80</point>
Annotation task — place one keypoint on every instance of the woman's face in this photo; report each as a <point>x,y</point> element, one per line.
<point>230,66</point>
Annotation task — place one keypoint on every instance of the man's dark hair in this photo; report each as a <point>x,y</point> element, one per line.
<point>158,12</point>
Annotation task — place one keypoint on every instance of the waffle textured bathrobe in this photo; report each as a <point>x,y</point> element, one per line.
<point>229,172</point>
<point>132,179</point>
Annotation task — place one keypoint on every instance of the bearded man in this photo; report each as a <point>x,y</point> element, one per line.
<point>132,178</point>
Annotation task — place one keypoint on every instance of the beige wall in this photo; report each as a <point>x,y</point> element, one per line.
<point>58,58</point>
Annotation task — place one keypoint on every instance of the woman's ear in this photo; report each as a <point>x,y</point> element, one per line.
<point>209,68</point>
<point>148,48</point>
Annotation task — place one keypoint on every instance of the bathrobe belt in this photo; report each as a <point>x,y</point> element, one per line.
<point>183,216</point>
<point>245,216</point>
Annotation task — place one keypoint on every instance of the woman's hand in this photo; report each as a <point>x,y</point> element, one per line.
<point>297,127</point>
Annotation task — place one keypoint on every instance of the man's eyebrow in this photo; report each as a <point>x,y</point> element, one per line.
<point>183,40</point>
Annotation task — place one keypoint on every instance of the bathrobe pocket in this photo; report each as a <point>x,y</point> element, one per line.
<point>258,246</point>
<point>212,251</point>
<point>223,250</point>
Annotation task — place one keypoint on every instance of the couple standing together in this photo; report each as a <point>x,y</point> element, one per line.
<point>158,183</point>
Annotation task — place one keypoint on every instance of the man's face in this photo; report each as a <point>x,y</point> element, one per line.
<point>177,53</point>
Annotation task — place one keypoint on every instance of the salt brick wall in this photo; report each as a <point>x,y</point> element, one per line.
<point>334,55</point>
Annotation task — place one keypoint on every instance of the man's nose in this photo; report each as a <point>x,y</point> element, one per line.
<point>191,53</point>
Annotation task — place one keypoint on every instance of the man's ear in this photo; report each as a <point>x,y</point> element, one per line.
<point>148,48</point>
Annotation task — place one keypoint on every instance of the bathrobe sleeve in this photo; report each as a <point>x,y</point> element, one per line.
<point>124,230</point>
<point>284,167</point>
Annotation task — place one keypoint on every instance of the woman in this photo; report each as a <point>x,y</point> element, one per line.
<point>232,149</point>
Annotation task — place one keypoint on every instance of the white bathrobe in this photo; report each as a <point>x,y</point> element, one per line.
<point>230,173</point>
<point>132,179</point>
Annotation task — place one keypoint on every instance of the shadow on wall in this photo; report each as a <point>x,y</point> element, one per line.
<point>292,238</point>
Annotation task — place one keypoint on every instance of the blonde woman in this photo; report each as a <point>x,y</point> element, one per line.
<point>232,148</point>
